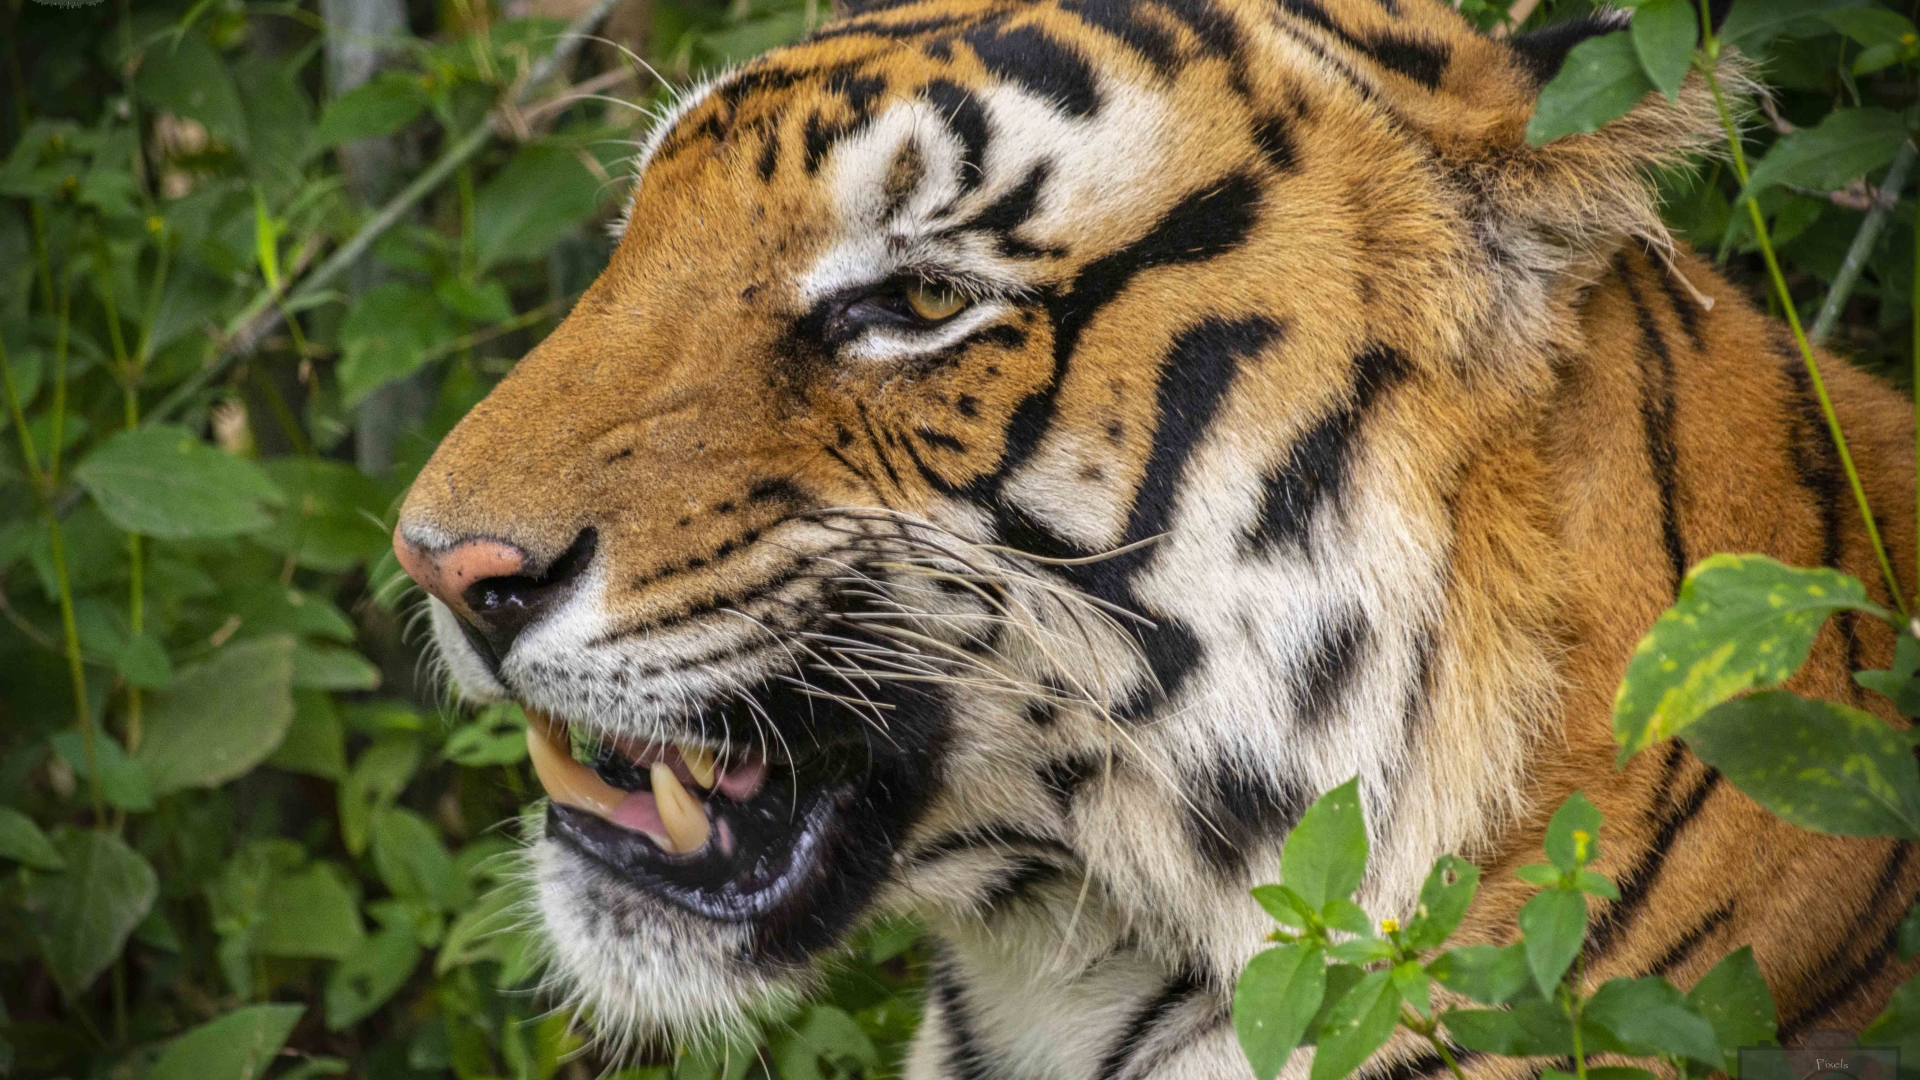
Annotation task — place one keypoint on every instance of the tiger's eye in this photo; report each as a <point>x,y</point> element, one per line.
<point>934,302</point>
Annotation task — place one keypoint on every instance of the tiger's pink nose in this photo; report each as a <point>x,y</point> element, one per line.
<point>448,574</point>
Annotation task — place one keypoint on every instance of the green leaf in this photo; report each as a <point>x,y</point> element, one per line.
<point>413,862</point>
<point>82,916</point>
<point>375,782</point>
<point>185,76</point>
<point>498,736</point>
<point>1325,855</point>
<point>238,1046</point>
<point>221,717</point>
<point>1361,951</point>
<point>1848,144</point>
<point>1532,1027</point>
<point>1664,35</point>
<point>1751,24</point>
<point>1357,1027</point>
<point>380,106</point>
<point>1486,973</point>
<point>315,743</point>
<point>1539,874</point>
<point>1285,905</point>
<point>1278,994</point>
<point>482,301</point>
<point>1648,1017</point>
<point>308,913</point>
<point>104,628</point>
<point>1414,986</point>
<point>1443,903</point>
<point>1600,82</point>
<point>326,667</point>
<point>123,783</point>
<point>1870,26</point>
<point>1341,913</point>
<point>1899,1025</point>
<point>1573,835</point>
<point>1898,685</point>
<point>1741,622</point>
<point>489,930</point>
<point>542,195</point>
<point>1735,1000</point>
<point>1819,764</point>
<point>1879,57</point>
<point>363,981</point>
<point>164,482</point>
<point>23,842</point>
<point>1554,924</point>
<point>333,519</point>
<point>1340,979</point>
<point>387,334</point>
<point>1910,934</point>
<point>1594,884</point>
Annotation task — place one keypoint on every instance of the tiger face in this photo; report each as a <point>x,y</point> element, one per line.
<point>1009,467</point>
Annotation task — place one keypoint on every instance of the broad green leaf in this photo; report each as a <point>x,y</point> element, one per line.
<point>1341,913</point>
<point>1898,684</point>
<point>165,482</point>
<point>333,517</point>
<point>1599,83</point>
<point>238,1046</point>
<point>315,743</point>
<point>23,842</point>
<point>1340,979</point>
<point>826,1032</point>
<point>482,301</point>
<point>1414,986</point>
<point>1486,973</point>
<point>1819,764</point>
<point>1664,35</point>
<point>543,194</point>
<point>156,931</point>
<point>1532,1027</point>
<point>1879,57</point>
<point>1751,24</point>
<point>1285,905</point>
<point>1573,834</point>
<point>1444,899</point>
<point>1554,924</point>
<point>308,913</point>
<point>1278,994</point>
<point>1847,144</point>
<point>375,781</point>
<point>1539,874</point>
<point>380,106</point>
<point>330,667</point>
<point>123,782</point>
<point>498,736</point>
<point>82,916</point>
<point>268,607</point>
<point>279,124</point>
<point>1735,1000</point>
<point>104,628</point>
<point>1648,1016</point>
<point>1357,1027</point>
<point>185,76</point>
<point>1325,855</point>
<point>369,975</point>
<point>1361,951</point>
<point>1595,884</point>
<point>1870,26</point>
<point>221,717</point>
<point>1899,1025</point>
<point>1742,622</point>
<point>413,862</point>
<point>386,336</point>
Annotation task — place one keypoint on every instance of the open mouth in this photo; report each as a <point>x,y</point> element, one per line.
<point>733,838</point>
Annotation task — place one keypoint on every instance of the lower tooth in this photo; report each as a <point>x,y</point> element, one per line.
<point>682,814</point>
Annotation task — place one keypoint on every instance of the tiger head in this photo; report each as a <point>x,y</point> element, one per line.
<point>1012,460</point>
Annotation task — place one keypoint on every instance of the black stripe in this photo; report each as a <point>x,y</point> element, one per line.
<point>1010,211</point>
<point>1657,408</point>
<point>994,837</point>
<point>1040,65</point>
<point>1204,225</point>
<point>1849,982</point>
<point>878,26</point>
<point>1140,1027</point>
<point>1275,140</point>
<point>1023,877</point>
<point>1330,667</point>
<point>1064,777</point>
<point>1816,464</point>
<point>1315,468</point>
<point>878,450</point>
<point>1685,308</point>
<point>1121,19</point>
<point>1425,1064</point>
<point>968,122</point>
<point>1235,810</point>
<point>967,1057</point>
<point>1420,59</point>
<point>1691,940</point>
<point>1637,883</point>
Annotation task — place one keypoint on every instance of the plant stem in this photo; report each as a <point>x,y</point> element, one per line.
<point>83,716</point>
<point>1863,242</point>
<point>1785,297</point>
<point>1916,367</point>
<point>16,407</point>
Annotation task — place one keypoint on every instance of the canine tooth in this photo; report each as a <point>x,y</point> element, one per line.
<point>700,762</point>
<point>682,814</point>
<point>566,780</point>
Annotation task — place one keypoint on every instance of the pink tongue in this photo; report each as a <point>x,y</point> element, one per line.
<point>638,812</point>
<point>740,782</point>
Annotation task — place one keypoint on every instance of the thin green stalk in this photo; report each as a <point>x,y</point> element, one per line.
<point>14,407</point>
<point>1785,297</point>
<point>83,716</point>
<point>59,423</point>
<point>1916,370</point>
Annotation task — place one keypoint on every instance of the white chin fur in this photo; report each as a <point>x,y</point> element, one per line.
<point>642,969</point>
<point>470,676</point>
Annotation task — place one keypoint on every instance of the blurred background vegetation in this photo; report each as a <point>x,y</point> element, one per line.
<point>255,259</point>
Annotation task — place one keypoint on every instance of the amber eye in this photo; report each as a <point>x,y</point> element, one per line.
<point>934,303</point>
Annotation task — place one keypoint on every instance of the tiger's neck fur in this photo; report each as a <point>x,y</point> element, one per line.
<point>1664,432</point>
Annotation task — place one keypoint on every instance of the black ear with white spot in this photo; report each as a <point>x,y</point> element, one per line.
<point>1544,51</point>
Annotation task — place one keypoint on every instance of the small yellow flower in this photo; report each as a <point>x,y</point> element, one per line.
<point>1908,39</point>
<point>1389,926</point>
<point>1582,841</point>
<point>156,224</point>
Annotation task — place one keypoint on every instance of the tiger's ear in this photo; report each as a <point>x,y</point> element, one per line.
<point>1578,198</point>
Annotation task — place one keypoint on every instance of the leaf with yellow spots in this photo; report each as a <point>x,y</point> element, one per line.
<point>1819,764</point>
<point>1742,622</point>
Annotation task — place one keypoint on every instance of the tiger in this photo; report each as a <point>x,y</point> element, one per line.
<point>1020,453</point>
